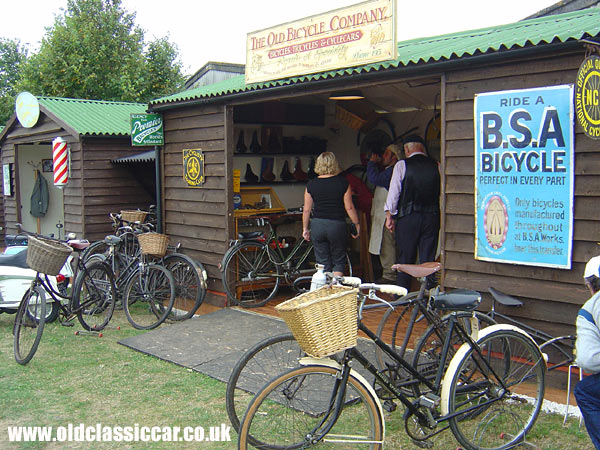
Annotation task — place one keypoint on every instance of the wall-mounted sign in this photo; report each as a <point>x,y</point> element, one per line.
<point>360,34</point>
<point>146,129</point>
<point>524,176</point>
<point>193,167</point>
<point>587,96</point>
<point>28,109</point>
<point>7,179</point>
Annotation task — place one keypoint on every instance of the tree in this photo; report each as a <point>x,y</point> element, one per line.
<point>95,51</point>
<point>12,58</point>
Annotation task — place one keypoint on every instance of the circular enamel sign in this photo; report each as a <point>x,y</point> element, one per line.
<point>28,109</point>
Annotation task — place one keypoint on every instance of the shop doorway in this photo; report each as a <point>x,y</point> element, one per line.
<point>35,160</point>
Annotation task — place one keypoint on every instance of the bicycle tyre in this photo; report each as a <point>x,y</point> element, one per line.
<point>27,331</point>
<point>243,286</point>
<point>190,285</point>
<point>265,360</point>
<point>94,295</point>
<point>292,406</point>
<point>427,352</point>
<point>149,297</point>
<point>96,248</point>
<point>505,420</point>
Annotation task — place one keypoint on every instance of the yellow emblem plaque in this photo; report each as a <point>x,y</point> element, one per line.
<point>193,167</point>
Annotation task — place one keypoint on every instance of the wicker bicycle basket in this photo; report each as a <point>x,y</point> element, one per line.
<point>154,244</point>
<point>133,216</point>
<point>46,256</point>
<point>323,321</point>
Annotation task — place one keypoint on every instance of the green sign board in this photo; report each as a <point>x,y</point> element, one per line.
<point>146,129</point>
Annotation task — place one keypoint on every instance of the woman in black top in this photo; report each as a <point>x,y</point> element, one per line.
<point>329,198</point>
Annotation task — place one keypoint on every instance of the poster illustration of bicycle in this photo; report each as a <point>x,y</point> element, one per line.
<point>524,176</point>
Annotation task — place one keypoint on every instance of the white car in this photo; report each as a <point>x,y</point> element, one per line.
<point>15,280</point>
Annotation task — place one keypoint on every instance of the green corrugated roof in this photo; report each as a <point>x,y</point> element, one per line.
<point>93,117</point>
<point>543,30</point>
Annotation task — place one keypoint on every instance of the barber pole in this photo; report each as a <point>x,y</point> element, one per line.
<point>60,158</point>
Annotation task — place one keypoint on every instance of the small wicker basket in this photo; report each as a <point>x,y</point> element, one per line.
<point>133,216</point>
<point>47,256</point>
<point>154,244</point>
<point>323,321</point>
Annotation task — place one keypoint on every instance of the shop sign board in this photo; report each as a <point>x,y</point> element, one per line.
<point>146,129</point>
<point>361,34</point>
<point>524,176</point>
<point>193,167</point>
<point>587,96</point>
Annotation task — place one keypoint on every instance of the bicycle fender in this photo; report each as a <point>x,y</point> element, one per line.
<point>232,249</point>
<point>462,351</point>
<point>328,362</point>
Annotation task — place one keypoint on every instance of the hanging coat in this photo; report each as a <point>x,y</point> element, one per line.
<point>39,196</point>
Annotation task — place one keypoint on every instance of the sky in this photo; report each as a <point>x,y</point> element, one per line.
<point>209,30</point>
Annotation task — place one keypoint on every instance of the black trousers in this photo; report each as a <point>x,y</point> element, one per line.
<point>330,241</point>
<point>417,231</point>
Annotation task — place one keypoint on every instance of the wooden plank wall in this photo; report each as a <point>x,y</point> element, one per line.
<point>44,131</point>
<point>198,217</point>
<point>552,296</point>
<point>107,187</point>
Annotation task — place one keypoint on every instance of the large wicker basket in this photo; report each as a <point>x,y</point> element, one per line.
<point>133,216</point>
<point>323,321</point>
<point>154,244</point>
<point>47,256</point>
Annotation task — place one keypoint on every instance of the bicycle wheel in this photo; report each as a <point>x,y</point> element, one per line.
<point>267,359</point>
<point>96,248</point>
<point>294,410</point>
<point>149,297</point>
<point>29,324</point>
<point>495,408</point>
<point>250,276</point>
<point>428,351</point>
<point>190,285</point>
<point>94,295</point>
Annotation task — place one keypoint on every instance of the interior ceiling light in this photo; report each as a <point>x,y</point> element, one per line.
<point>347,95</point>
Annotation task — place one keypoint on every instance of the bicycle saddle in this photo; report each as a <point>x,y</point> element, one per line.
<point>418,270</point>
<point>78,244</point>
<point>504,299</point>
<point>16,260</point>
<point>458,300</point>
<point>250,235</point>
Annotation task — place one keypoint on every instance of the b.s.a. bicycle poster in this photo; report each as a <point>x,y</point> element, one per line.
<point>524,176</point>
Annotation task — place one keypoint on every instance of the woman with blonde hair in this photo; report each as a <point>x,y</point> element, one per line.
<point>329,198</point>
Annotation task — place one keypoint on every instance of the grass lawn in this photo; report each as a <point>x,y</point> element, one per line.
<point>85,379</point>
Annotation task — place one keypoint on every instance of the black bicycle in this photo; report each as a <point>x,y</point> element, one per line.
<point>91,299</point>
<point>489,394</point>
<point>258,263</point>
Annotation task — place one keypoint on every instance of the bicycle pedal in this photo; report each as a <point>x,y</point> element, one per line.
<point>67,324</point>
<point>389,406</point>
<point>422,444</point>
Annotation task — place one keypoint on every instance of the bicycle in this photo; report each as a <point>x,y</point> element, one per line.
<point>91,300</point>
<point>148,289</point>
<point>255,265</point>
<point>272,355</point>
<point>489,396</point>
<point>190,275</point>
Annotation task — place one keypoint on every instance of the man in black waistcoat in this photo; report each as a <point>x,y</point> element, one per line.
<point>413,206</point>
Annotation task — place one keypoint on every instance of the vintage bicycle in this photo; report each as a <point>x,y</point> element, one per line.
<point>489,396</point>
<point>91,298</point>
<point>258,263</point>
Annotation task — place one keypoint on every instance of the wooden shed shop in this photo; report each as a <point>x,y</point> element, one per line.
<point>95,132</point>
<point>438,75</point>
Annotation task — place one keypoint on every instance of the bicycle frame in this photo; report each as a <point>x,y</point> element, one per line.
<point>416,378</point>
